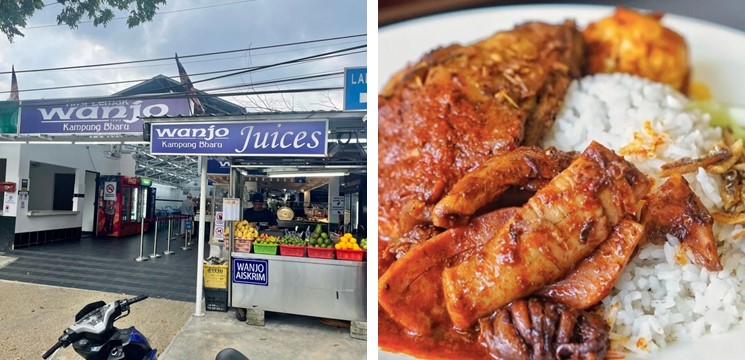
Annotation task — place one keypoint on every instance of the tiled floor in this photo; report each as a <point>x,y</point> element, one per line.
<point>107,264</point>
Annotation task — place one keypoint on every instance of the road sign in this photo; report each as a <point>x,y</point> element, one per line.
<point>109,191</point>
<point>355,88</point>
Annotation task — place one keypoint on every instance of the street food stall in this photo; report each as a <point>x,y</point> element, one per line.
<point>300,164</point>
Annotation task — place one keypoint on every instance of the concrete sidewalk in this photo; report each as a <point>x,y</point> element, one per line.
<point>33,316</point>
<point>283,337</point>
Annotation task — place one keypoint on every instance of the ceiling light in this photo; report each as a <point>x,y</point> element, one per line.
<point>50,142</point>
<point>308,174</point>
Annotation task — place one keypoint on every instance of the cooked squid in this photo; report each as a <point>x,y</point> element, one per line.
<point>594,277</point>
<point>674,209</point>
<point>559,226</point>
<point>485,184</point>
<point>536,329</point>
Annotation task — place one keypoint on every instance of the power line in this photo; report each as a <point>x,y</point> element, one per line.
<point>185,56</point>
<point>60,102</point>
<point>158,13</point>
<point>173,77</point>
<point>279,63</point>
<point>218,59</point>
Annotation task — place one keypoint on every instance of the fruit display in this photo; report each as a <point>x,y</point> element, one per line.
<point>320,239</point>
<point>292,239</point>
<point>347,242</point>
<point>267,239</point>
<point>243,230</point>
<point>363,244</point>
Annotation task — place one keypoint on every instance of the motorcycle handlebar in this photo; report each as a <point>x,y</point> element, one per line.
<point>136,299</point>
<point>52,350</point>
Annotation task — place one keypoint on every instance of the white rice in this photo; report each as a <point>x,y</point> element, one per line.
<point>657,300</point>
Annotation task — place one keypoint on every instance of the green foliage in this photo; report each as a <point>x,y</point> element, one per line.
<point>13,14</point>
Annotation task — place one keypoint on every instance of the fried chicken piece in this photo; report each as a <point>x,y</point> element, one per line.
<point>484,185</point>
<point>676,210</point>
<point>411,289</point>
<point>636,43</point>
<point>593,278</point>
<point>458,106</point>
<point>536,329</point>
<point>558,227</point>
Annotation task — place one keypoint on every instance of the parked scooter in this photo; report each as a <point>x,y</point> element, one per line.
<point>94,337</point>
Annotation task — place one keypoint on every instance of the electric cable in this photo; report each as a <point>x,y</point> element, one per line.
<point>183,57</point>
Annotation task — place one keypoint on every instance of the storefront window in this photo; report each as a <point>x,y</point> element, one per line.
<point>51,187</point>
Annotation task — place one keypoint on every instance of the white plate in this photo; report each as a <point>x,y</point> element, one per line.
<point>285,213</point>
<point>718,59</point>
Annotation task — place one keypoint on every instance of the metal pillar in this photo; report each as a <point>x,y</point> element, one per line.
<point>187,240</point>
<point>200,248</point>
<point>155,254</point>
<point>142,256</point>
<point>168,242</point>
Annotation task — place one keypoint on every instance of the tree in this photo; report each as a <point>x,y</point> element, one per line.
<point>14,13</point>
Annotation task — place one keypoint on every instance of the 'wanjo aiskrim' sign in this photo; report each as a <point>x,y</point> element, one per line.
<point>251,271</point>
<point>83,116</point>
<point>299,138</point>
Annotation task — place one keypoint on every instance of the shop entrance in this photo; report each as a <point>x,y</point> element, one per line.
<point>89,202</point>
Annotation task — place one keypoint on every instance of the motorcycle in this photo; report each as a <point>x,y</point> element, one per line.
<point>94,337</point>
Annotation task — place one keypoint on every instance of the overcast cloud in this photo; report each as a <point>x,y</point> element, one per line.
<point>217,28</point>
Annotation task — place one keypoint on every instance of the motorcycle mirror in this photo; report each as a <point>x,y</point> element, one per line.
<point>88,308</point>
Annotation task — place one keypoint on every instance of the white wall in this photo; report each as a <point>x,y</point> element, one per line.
<point>73,156</point>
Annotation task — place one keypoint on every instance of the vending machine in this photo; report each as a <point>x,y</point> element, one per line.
<point>123,202</point>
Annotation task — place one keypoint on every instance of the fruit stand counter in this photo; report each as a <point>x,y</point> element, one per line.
<point>327,288</point>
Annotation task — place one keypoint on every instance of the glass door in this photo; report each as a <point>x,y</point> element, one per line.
<point>137,205</point>
<point>126,204</point>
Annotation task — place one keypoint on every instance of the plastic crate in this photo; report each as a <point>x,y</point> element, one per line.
<point>266,249</point>
<point>290,250</point>
<point>216,299</point>
<point>352,255</point>
<point>216,276</point>
<point>321,253</point>
<point>243,245</point>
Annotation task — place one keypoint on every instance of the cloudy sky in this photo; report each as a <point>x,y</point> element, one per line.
<point>192,27</point>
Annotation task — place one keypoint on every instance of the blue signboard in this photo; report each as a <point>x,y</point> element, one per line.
<point>187,224</point>
<point>355,88</point>
<point>82,116</point>
<point>251,271</point>
<point>218,167</point>
<point>298,138</point>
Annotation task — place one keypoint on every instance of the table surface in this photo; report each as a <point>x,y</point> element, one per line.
<point>730,13</point>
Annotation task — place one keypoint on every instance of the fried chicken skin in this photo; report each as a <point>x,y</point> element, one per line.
<point>455,108</point>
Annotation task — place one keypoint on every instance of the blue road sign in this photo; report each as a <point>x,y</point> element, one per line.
<point>355,88</point>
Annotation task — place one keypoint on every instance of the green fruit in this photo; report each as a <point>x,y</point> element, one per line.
<point>324,235</point>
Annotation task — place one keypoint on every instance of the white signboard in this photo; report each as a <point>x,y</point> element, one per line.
<point>9,204</point>
<point>109,191</point>
<point>23,200</point>
<point>219,226</point>
<point>231,208</point>
<point>219,231</point>
<point>337,205</point>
